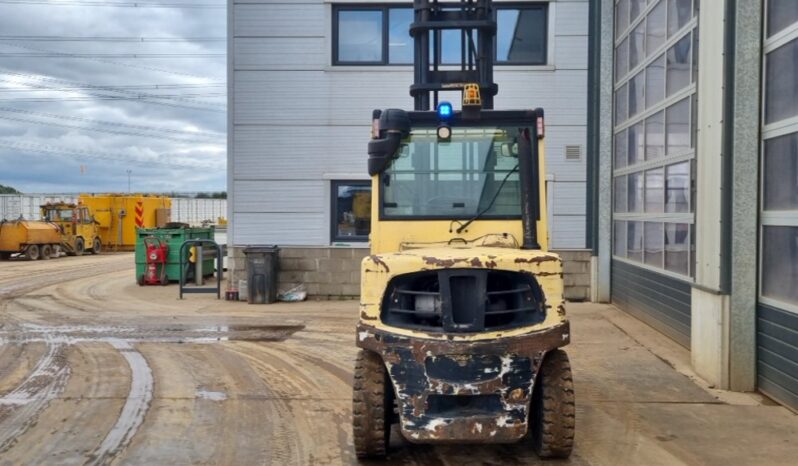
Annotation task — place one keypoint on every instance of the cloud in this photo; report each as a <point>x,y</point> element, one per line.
<point>73,107</point>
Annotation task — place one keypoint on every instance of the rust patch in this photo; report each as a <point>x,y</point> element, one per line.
<point>535,260</point>
<point>445,263</point>
<point>475,262</point>
<point>365,316</point>
<point>380,262</point>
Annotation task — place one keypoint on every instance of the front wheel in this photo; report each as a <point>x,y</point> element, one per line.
<point>97,246</point>
<point>80,247</point>
<point>554,408</point>
<point>372,406</point>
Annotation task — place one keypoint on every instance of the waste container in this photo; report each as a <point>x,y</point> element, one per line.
<point>262,274</point>
<point>174,237</point>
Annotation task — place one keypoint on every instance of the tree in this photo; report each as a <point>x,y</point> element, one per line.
<point>8,190</point>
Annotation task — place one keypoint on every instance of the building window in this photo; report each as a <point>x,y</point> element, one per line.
<point>351,210</point>
<point>654,145</point>
<point>374,35</point>
<point>779,184</point>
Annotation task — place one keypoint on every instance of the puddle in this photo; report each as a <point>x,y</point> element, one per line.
<point>210,395</point>
<point>70,334</point>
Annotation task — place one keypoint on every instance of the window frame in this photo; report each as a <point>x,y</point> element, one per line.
<point>647,110</point>
<point>385,11</point>
<point>334,237</point>
<point>769,131</point>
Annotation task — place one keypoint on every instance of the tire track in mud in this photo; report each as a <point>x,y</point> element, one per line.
<point>135,408</point>
<point>20,408</point>
<point>17,286</point>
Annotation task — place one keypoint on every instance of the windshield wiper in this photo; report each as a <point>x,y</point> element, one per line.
<point>492,201</point>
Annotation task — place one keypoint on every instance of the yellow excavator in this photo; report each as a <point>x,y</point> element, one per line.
<point>462,316</point>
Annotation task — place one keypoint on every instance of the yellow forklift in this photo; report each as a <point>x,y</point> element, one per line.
<point>80,232</point>
<point>462,315</point>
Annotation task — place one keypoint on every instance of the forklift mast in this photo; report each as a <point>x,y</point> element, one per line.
<point>475,21</point>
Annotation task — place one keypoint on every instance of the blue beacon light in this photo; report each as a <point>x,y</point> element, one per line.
<point>445,110</point>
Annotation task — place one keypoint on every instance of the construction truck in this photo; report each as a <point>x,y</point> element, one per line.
<point>33,239</point>
<point>462,316</point>
<point>80,233</point>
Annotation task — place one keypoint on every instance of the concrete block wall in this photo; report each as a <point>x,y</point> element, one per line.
<point>334,273</point>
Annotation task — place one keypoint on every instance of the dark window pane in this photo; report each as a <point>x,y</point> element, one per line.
<point>620,194</point>
<point>352,211</point>
<point>635,190</point>
<point>636,45</point>
<point>655,190</point>
<point>655,136</point>
<point>655,28</point>
<point>679,65</point>
<point>634,241</point>
<point>621,105</point>
<point>621,17</point>
<point>654,244</point>
<point>679,13</point>
<point>621,149</point>
<point>780,263</point>
<point>655,82</point>
<point>781,93</point>
<point>359,36</point>
<point>636,143</point>
<point>621,60</point>
<point>678,127</point>
<point>400,44</point>
<point>619,235</point>
<point>677,188</point>
<point>781,173</point>
<point>676,247</point>
<point>637,94</point>
<point>781,13</point>
<point>521,35</point>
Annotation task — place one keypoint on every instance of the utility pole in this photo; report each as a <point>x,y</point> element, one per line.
<point>129,171</point>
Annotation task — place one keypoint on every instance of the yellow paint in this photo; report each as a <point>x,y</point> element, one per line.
<point>15,235</point>
<point>107,208</point>
<point>407,246</point>
<point>79,225</point>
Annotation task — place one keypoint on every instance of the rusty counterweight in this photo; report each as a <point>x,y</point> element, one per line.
<point>455,391</point>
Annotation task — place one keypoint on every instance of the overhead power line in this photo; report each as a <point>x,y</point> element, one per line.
<point>116,4</point>
<point>110,39</point>
<point>152,87</point>
<point>77,153</point>
<point>112,62</point>
<point>113,124</point>
<point>105,130</point>
<point>157,99</point>
<point>108,55</point>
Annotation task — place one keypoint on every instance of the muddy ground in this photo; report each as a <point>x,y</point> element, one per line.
<point>96,370</point>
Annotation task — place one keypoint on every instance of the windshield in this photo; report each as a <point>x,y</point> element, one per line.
<point>55,215</point>
<point>476,171</point>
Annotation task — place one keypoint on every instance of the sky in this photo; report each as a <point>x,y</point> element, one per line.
<point>96,92</point>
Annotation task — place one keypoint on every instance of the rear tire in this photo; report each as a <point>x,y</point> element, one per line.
<point>97,246</point>
<point>372,406</point>
<point>33,252</point>
<point>553,408</point>
<point>140,280</point>
<point>80,247</point>
<point>47,252</point>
